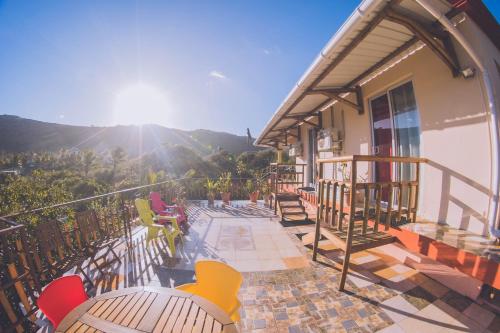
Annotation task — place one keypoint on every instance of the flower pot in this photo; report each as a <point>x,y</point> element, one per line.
<point>226,197</point>
<point>211,198</point>
<point>254,196</point>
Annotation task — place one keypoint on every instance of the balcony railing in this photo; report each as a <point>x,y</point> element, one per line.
<point>344,188</point>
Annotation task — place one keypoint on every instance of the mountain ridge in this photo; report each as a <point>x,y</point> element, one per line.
<point>19,134</point>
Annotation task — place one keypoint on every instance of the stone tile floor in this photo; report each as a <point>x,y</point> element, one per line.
<point>284,291</point>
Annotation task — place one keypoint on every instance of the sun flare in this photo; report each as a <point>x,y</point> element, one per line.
<point>140,104</point>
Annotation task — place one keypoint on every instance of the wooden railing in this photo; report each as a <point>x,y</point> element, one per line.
<point>282,175</point>
<point>388,201</point>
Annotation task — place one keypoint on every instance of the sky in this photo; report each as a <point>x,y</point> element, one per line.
<point>223,65</point>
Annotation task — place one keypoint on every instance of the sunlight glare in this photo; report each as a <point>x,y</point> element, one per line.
<point>140,104</point>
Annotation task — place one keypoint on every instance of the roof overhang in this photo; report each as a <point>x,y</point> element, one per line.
<point>378,34</point>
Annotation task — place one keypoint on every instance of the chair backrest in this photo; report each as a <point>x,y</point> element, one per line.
<point>60,297</point>
<point>145,213</point>
<point>88,223</point>
<point>218,282</point>
<point>51,240</point>
<point>157,205</point>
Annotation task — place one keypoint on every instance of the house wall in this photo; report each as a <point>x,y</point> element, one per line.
<point>455,184</point>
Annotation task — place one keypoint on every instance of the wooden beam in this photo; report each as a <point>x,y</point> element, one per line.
<point>337,90</point>
<point>343,100</point>
<point>359,100</point>
<point>425,34</point>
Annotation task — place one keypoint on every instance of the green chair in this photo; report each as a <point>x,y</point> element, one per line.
<point>149,220</point>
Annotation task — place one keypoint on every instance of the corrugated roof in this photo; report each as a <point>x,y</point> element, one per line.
<point>365,39</point>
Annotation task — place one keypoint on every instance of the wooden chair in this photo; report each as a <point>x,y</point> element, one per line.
<point>56,257</point>
<point>358,234</point>
<point>95,241</point>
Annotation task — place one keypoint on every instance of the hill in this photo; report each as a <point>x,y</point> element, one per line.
<point>20,134</point>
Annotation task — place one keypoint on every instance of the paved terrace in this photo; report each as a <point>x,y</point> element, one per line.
<point>284,291</point>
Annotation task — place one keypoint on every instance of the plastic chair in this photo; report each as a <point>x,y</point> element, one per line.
<point>149,220</point>
<point>60,297</point>
<point>218,283</point>
<point>161,208</point>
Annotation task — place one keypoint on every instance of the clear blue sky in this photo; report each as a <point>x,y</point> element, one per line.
<point>221,65</point>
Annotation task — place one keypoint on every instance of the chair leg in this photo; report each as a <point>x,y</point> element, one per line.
<point>170,240</point>
<point>317,236</point>
<point>345,268</point>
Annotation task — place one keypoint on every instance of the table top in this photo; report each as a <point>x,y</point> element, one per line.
<point>147,309</point>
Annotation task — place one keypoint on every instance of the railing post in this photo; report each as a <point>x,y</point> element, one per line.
<point>417,188</point>
<point>350,226</point>
<point>317,230</point>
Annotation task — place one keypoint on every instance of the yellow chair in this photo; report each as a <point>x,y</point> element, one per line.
<point>149,219</point>
<point>218,283</point>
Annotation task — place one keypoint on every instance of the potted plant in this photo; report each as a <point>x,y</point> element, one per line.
<point>224,185</point>
<point>252,190</point>
<point>211,187</point>
<point>265,189</point>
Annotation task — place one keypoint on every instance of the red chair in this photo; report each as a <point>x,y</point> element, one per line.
<point>60,297</point>
<point>161,208</point>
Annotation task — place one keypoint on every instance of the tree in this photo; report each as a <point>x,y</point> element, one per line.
<point>118,155</point>
<point>88,160</point>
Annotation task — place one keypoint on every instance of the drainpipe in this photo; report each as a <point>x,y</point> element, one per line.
<point>494,135</point>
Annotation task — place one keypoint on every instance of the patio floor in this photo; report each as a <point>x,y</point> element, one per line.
<point>284,291</point>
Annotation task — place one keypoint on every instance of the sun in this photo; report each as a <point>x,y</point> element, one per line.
<point>140,104</point>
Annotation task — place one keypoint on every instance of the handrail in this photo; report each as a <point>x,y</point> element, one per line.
<point>287,164</point>
<point>99,196</point>
<point>72,202</point>
<point>372,158</point>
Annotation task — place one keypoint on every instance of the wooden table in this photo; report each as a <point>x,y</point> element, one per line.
<point>147,309</point>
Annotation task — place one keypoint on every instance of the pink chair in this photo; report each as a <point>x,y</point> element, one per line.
<point>60,297</point>
<point>161,208</point>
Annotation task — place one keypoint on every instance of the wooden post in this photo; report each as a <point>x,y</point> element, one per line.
<point>317,230</point>
<point>333,222</point>
<point>350,226</point>
<point>400,200</point>
<point>279,155</point>
<point>417,178</point>
<point>341,206</point>
<point>389,208</point>
<point>409,205</point>
<point>366,208</point>
<point>327,199</point>
<point>377,207</point>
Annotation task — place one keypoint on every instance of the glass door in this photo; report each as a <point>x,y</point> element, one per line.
<point>396,131</point>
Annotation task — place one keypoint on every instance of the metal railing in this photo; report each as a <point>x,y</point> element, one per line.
<point>284,175</point>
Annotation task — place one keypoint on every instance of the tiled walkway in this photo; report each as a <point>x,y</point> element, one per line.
<point>284,291</point>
